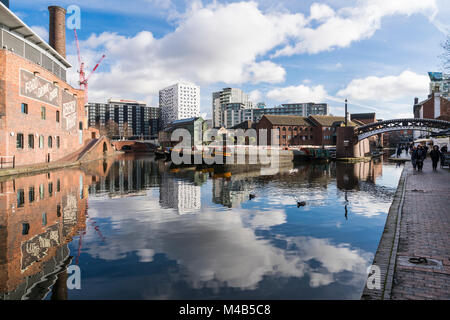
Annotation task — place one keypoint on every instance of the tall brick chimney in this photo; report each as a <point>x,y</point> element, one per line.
<point>57,29</point>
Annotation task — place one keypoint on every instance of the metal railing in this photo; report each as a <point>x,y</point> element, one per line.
<point>4,162</point>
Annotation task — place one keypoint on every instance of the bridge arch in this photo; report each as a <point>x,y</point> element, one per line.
<point>375,128</point>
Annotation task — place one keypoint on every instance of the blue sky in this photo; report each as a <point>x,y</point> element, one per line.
<point>376,53</point>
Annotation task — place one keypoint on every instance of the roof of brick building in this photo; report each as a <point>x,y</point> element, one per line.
<point>287,120</point>
<point>329,121</point>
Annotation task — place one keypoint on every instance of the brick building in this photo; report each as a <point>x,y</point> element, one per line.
<point>435,107</point>
<point>325,128</point>
<point>42,118</point>
<point>292,129</point>
<point>364,118</point>
<point>296,130</point>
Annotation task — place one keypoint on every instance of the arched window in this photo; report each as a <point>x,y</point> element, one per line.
<point>50,141</point>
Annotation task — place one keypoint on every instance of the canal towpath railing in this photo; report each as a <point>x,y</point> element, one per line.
<point>7,162</point>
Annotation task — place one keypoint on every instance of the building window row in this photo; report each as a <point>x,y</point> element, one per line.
<point>32,193</point>
<point>24,110</point>
<point>20,141</point>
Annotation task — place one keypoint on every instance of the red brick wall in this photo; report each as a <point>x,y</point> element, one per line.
<point>68,222</point>
<point>97,151</point>
<point>428,109</point>
<point>445,109</point>
<point>31,123</point>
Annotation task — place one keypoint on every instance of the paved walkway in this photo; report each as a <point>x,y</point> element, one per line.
<point>424,232</point>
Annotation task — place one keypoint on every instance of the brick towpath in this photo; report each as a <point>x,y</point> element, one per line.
<point>422,230</point>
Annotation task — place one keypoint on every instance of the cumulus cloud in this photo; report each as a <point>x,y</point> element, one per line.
<point>230,43</point>
<point>300,93</point>
<point>255,96</point>
<point>41,32</point>
<point>349,24</point>
<point>389,88</point>
<point>213,43</point>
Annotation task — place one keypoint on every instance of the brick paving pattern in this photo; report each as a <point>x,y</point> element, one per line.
<point>424,232</point>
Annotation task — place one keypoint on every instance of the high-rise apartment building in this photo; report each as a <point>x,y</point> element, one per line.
<point>179,101</point>
<point>134,117</point>
<point>222,99</point>
<point>440,82</point>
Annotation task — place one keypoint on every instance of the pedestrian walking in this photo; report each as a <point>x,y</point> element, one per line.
<point>443,152</point>
<point>420,157</point>
<point>406,148</point>
<point>414,157</point>
<point>426,151</point>
<point>399,151</point>
<point>435,156</point>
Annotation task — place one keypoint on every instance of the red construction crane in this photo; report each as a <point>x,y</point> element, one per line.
<point>83,82</point>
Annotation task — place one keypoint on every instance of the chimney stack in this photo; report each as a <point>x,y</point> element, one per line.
<point>416,100</point>
<point>57,29</point>
<point>5,2</point>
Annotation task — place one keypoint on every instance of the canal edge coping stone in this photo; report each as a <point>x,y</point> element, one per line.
<point>385,257</point>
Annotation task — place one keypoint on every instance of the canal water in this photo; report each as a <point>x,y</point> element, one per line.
<point>133,228</point>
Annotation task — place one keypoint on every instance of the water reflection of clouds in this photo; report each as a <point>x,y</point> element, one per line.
<point>217,249</point>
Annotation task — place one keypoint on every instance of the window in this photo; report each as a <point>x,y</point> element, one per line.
<point>50,141</point>
<point>43,113</point>
<point>31,194</point>
<point>19,141</point>
<point>58,142</point>
<point>20,197</point>
<point>44,219</point>
<point>25,228</point>
<point>50,189</point>
<point>58,185</point>
<point>41,191</point>
<point>31,141</point>
<point>24,108</point>
<point>57,116</point>
<point>41,142</point>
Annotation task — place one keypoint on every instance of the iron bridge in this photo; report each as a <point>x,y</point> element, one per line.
<point>375,128</point>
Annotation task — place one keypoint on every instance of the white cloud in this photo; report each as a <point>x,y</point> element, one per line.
<point>41,32</point>
<point>255,96</point>
<point>349,24</point>
<point>214,43</point>
<point>230,43</point>
<point>386,89</point>
<point>300,93</point>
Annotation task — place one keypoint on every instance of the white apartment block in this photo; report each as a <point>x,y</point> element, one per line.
<point>179,101</point>
<point>227,96</point>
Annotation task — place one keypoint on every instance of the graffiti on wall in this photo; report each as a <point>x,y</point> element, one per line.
<point>37,247</point>
<point>69,110</point>
<point>37,88</point>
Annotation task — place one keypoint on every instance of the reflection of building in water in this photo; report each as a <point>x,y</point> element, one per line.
<point>127,176</point>
<point>39,215</point>
<point>181,194</point>
<point>348,175</point>
<point>231,192</point>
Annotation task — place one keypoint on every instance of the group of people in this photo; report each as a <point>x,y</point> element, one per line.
<point>400,149</point>
<point>419,154</point>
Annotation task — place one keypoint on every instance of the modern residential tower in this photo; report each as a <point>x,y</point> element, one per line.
<point>135,116</point>
<point>227,98</point>
<point>179,101</point>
